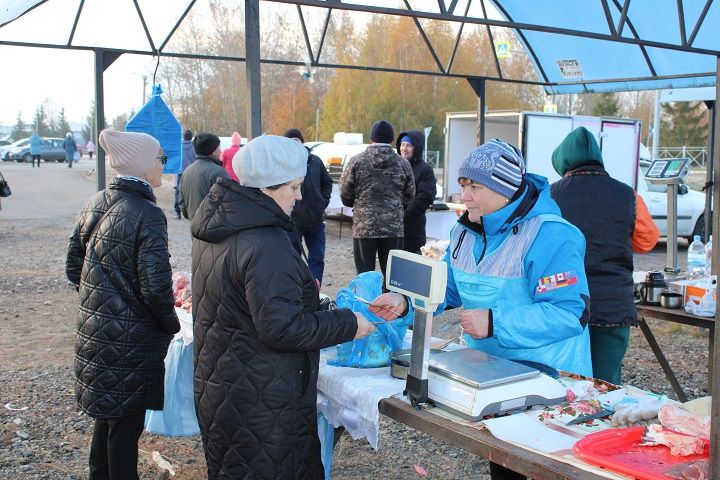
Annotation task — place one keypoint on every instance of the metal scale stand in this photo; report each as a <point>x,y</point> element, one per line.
<point>672,173</point>
<point>467,382</point>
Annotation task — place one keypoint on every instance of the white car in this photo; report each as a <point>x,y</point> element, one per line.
<point>5,149</point>
<point>690,206</point>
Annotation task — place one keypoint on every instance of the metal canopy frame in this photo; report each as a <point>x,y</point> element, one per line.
<point>446,12</point>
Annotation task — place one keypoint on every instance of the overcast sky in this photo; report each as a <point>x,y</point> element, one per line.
<point>66,78</point>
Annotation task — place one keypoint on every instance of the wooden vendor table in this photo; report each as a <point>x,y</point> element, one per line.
<point>484,444</point>
<point>676,316</point>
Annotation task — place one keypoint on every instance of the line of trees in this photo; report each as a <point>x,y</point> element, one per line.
<point>47,124</point>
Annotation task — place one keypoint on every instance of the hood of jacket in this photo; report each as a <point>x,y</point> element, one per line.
<point>381,155</point>
<point>577,149</point>
<point>230,208</point>
<point>418,140</point>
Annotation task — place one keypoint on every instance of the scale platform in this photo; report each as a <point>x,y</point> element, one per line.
<point>474,384</point>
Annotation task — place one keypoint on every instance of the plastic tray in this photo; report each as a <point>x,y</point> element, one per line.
<point>618,449</point>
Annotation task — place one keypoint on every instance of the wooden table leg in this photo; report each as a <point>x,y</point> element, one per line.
<point>711,357</point>
<point>661,358</point>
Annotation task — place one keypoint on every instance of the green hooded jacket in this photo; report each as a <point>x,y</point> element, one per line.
<point>577,149</point>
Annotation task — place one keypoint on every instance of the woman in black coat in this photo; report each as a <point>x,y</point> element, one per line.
<point>119,261</point>
<point>257,330</point>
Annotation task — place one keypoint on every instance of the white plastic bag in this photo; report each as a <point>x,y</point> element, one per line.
<point>706,307</point>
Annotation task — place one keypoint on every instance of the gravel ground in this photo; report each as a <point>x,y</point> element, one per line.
<point>49,438</point>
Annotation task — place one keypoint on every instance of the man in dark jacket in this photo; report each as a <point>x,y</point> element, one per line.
<point>411,146</point>
<point>378,183</point>
<point>188,157</point>
<point>118,259</point>
<point>309,213</point>
<point>605,211</point>
<point>201,174</point>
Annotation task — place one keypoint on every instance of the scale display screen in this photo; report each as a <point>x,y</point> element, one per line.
<point>422,279</point>
<point>672,171</point>
<point>657,168</point>
<point>410,276</point>
<point>674,168</point>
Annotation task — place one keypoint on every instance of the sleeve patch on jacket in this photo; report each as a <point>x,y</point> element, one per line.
<point>558,280</point>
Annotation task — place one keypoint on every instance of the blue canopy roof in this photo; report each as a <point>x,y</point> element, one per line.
<point>603,65</point>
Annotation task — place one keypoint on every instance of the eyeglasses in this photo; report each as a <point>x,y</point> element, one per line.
<point>163,159</point>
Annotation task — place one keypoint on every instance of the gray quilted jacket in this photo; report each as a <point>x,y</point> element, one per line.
<point>121,266</point>
<point>378,183</point>
<point>257,336</point>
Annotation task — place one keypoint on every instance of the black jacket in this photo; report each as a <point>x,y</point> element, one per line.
<point>425,191</point>
<point>604,211</point>
<point>316,190</point>
<point>257,339</point>
<point>127,316</point>
<point>196,181</point>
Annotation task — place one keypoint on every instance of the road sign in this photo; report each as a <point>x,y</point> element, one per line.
<point>550,108</point>
<point>502,49</point>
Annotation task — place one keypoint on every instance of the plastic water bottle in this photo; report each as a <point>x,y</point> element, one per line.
<point>696,258</point>
<point>708,257</point>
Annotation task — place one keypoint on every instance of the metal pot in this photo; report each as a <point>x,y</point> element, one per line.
<point>400,364</point>
<point>670,300</point>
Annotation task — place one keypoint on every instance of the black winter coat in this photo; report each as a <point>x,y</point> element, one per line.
<point>425,191</point>
<point>121,265</point>
<point>257,339</point>
<point>316,190</point>
<point>604,210</point>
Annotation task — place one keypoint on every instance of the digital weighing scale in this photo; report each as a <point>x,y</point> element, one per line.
<point>467,382</point>
<point>670,172</point>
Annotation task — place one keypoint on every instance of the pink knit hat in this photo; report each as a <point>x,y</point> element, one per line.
<point>130,153</point>
<point>235,139</point>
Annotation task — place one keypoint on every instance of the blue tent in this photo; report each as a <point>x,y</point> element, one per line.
<point>155,118</point>
<point>601,65</point>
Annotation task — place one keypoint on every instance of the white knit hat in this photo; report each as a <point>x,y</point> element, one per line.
<point>270,160</point>
<point>130,153</point>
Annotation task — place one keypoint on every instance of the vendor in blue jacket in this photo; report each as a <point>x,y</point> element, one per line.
<point>516,266</point>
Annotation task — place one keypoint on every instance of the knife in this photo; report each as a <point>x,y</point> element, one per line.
<point>590,416</point>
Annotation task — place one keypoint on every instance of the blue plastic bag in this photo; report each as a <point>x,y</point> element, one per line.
<point>155,118</point>
<point>375,349</point>
<point>177,418</point>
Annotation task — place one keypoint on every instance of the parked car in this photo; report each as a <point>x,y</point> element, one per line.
<point>690,206</point>
<point>52,150</point>
<point>5,150</point>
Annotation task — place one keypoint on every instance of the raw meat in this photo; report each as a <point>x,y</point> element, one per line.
<point>675,417</point>
<point>680,445</point>
<point>697,470</point>
<point>182,290</point>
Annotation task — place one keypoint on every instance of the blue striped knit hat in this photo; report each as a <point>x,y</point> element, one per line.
<point>495,164</point>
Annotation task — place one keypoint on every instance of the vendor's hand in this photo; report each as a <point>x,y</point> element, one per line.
<point>388,306</point>
<point>365,328</point>
<point>475,322</point>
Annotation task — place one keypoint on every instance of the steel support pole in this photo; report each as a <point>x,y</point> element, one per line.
<point>99,116</point>
<point>252,66</point>
<point>709,175</point>
<point>715,389</point>
<point>672,268</point>
<point>656,127</point>
<point>481,112</point>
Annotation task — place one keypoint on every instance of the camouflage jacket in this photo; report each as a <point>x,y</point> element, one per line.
<point>378,184</point>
